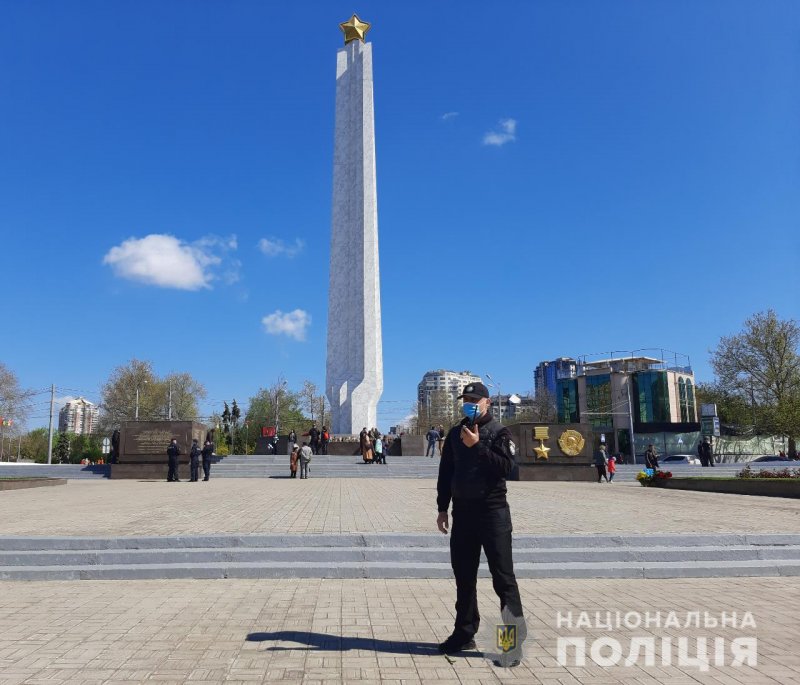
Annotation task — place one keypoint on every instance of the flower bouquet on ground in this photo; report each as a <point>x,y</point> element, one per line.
<point>650,477</point>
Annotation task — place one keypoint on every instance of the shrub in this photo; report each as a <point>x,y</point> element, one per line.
<point>748,472</point>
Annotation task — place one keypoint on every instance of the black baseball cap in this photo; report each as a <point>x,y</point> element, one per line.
<point>475,390</point>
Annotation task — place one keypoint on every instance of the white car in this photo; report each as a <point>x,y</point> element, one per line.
<point>680,459</point>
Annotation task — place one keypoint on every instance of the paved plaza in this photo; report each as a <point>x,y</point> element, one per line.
<point>315,630</point>
<point>365,631</point>
<point>275,505</point>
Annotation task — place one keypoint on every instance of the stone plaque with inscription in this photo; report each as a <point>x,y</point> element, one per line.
<point>143,447</point>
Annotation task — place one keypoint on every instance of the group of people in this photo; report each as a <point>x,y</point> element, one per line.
<point>606,465</point>
<point>435,436</point>
<point>195,456</point>
<point>371,443</point>
<point>317,439</point>
<point>705,453</point>
<point>301,455</point>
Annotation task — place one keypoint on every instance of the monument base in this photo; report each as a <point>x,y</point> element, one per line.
<point>143,448</point>
<point>576,473</point>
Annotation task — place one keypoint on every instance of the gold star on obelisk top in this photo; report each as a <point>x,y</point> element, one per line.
<point>354,29</point>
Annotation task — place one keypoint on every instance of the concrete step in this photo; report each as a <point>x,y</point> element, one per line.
<point>328,466</point>
<point>386,555</point>
<point>394,555</point>
<point>696,569</point>
<point>71,471</point>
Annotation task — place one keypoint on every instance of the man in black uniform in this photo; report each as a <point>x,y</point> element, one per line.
<point>194,461</point>
<point>478,455</point>
<point>313,438</point>
<point>705,453</point>
<point>173,452</point>
<point>208,450</point>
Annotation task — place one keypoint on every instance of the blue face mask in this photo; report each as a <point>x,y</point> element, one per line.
<point>471,410</point>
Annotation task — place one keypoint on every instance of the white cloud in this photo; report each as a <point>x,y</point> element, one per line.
<point>507,133</point>
<point>168,262</point>
<point>60,402</point>
<point>292,324</point>
<point>273,247</point>
<point>449,115</point>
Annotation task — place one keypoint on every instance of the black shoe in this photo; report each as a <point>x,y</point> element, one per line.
<point>205,479</point>
<point>454,645</point>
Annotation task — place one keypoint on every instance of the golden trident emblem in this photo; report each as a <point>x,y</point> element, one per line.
<point>506,637</point>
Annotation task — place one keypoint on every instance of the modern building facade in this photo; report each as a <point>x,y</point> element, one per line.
<point>442,385</point>
<point>513,408</point>
<point>605,392</point>
<point>78,416</point>
<point>547,375</point>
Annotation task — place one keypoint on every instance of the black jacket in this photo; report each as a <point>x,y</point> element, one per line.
<point>195,452</point>
<point>207,451</point>
<point>476,474</point>
<point>173,450</point>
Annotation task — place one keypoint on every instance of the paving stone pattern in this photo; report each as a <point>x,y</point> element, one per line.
<point>364,631</point>
<point>342,505</point>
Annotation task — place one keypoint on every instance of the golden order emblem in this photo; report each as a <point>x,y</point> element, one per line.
<point>506,637</point>
<point>571,443</point>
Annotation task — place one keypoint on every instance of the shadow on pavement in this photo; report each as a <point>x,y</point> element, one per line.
<point>335,643</point>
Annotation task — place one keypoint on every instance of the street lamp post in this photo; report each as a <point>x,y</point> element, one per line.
<point>137,399</point>
<point>495,384</point>
<point>281,386</point>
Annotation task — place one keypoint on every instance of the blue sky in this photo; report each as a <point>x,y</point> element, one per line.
<point>609,176</point>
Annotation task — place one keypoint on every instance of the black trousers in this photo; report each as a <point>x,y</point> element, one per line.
<point>475,527</point>
<point>206,468</point>
<point>194,468</point>
<point>172,474</point>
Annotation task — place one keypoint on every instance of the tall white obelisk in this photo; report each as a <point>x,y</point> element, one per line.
<point>354,379</point>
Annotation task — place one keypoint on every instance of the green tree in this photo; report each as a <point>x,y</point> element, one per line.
<point>734,410</point>
<point>61,451</point>
<point>85,446</point>
<point>34,445</point>
<point>441,408</point>
<point>118,395</point>
<point>315,405</point>
<point>14,400</point>
<point>261,411</point>
<point>226,426</point>
<point>237,439</point>
<point>761,367</point>
<point>186,391</point>
<point>119,392</point>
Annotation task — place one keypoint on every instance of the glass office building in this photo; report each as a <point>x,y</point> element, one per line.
<point>567,401</point>
<point>651,397</point>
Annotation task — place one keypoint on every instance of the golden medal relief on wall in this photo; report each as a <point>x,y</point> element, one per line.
<point>541,433</point>
<point>571,443</point>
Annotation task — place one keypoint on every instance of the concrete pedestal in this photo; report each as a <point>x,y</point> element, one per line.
<point>143,448</point>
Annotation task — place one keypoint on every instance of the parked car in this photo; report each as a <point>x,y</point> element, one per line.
<point>678,459</point>
<point>769,457</point>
